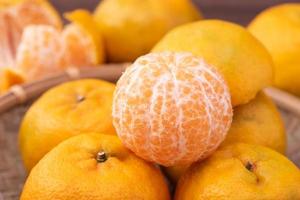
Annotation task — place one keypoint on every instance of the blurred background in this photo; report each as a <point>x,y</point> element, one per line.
<point>240,11</point>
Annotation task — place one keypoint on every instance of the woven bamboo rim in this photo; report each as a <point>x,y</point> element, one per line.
<point>109,72</point>
<point>26,92</point>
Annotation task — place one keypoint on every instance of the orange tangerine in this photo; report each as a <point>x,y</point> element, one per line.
<point>130,28</point>
<point>171,108</point>
<point>94,167</point>
<point>241,172</point>
<point>66,110</point>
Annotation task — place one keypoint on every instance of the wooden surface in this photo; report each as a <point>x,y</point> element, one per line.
<point>240,11</point>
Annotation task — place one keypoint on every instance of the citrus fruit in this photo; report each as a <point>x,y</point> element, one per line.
<point>7,3</point>
<point>83,40</point>
<point>132,27</point>
<point>258,122</point>
<point>95,167</point>
<point>64,111</point>
<point>44,50</point>
<point>241,171</point>
<point>7,42</point>
<point>278,28</point>
<point>8,78</point>
<point>15,16</point>
<point>41,52</point>
<point>28,12</point>
<point>242,59</point>
<point>171,108</point>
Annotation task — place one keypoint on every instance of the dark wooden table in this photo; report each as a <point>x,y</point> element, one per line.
<point>240,11</point>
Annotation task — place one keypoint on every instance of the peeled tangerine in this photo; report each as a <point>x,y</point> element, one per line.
<point>15,15</point>
<point>171,108</point>
<point>44,50</point>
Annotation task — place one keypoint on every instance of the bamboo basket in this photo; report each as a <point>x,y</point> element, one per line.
<point>14,104</point>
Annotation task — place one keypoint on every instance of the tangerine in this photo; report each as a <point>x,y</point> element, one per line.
<point>243,61</point>
<point>94,167</point>
<point>281,21</point>
<point>171,108</point>
<point>131,28</point>
<point>64,111</point>
<point>241,172</point>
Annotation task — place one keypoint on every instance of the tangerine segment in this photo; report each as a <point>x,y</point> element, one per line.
<point>171,108</point>
<point>7,40</point>
<point>30,12</point>
<point>4,4</point>
<point>80,48</point>
<point>41,52</point>
<point>8,78</point>
<point>85,21</point>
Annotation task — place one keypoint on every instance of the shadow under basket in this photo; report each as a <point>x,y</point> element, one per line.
<point>15,103</point>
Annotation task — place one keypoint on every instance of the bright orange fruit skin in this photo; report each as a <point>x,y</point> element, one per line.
<point>241,171</point>
<point>244,62</point>
<point>71,171</point>
<point>64,111</point>
<point>130,28</point>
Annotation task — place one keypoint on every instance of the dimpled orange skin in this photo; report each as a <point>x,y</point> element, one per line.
<point>171,108</point>
<point>64,111</point>
<point>127,36</point>
<point>243,61</point>
<point>71,172</point>
<point>258,122</point>
<point>241,172</point>
<point>278,28</point>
